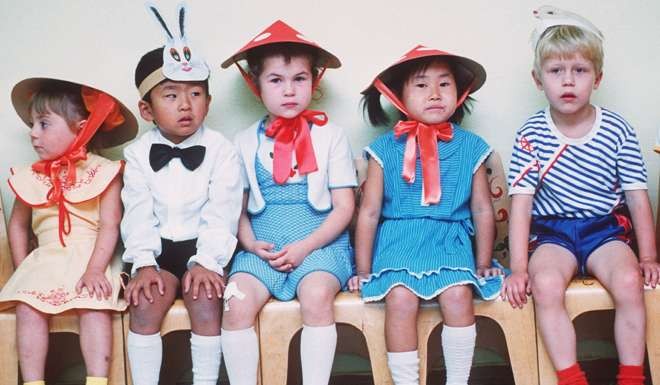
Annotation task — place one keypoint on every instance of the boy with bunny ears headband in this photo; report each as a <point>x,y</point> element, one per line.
<point>182,196</point>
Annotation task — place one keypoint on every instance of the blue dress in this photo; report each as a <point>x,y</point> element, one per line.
<point>427,248</point>
<point>286,218</point>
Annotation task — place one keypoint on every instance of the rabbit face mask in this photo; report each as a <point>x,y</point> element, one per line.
<point>180,61</point>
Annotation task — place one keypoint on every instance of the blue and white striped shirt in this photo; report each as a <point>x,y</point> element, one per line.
<point>576,177</point>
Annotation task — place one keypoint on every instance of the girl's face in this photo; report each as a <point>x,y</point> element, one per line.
<point>286,88</point>
<point>430,96</point>
<point>51,135</point>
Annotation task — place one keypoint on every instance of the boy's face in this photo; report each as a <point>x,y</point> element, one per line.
<point>430,96</point>
<point>568,83</point>
<point>51,135</point>
<point>178,108</point>
<point>286,88</point>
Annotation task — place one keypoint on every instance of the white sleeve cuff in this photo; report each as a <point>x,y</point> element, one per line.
<point>522,190</point>
<point>634,186</point>
<point>206,262</point>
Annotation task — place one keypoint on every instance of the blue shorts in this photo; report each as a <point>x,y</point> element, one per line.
<point>581,236</point>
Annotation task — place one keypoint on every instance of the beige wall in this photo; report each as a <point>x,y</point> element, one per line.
<point>103,40</point>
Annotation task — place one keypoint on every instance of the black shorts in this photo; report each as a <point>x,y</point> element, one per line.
<point>174,257</point>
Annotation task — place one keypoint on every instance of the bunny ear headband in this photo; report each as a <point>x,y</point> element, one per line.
<point>180,63</point>
<point>548,16</point>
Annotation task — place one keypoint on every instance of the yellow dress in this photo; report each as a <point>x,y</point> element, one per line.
<point>47,277</point>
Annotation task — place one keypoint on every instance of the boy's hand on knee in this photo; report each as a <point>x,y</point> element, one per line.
<point>96,283</point>
<point>200,276</point>
<point>651,272</point>
<point>515,289</point>
<point>144,279</point>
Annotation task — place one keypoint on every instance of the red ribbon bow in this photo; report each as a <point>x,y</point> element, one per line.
<point>294,133</point>
<point>427,136</point>
<point>104,114</point>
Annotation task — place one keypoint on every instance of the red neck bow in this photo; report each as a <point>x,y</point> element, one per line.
<point>104,114</point>
<point>293,134</point>
<point>427,135</point>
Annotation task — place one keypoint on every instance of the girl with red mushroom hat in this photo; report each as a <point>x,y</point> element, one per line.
<point>425,196</point>
<point>299,179</point>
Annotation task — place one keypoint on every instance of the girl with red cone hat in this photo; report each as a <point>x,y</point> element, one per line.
<point>299,178</point>
<point>70,200</point>
<point>425,195</point>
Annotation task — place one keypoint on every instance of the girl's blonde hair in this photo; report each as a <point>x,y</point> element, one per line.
<point>565,41</point>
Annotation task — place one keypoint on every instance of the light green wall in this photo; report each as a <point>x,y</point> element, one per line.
<point>103,40</point>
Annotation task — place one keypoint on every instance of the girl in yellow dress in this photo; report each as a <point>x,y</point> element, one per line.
<point>70,201</point>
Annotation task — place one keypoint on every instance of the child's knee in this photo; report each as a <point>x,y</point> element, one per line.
<point>402,301</point>
<point>628,286</point>
<point>457,297</point>
<point>547,288</point>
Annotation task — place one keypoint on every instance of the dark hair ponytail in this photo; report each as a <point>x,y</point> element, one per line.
<point>372,108</point>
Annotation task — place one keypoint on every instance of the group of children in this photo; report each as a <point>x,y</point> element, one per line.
<point>284,193</point>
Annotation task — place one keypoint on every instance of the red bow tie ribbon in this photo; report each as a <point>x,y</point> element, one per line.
<point>293,134</point>
<point>104,114</point>
<point>427,137</point>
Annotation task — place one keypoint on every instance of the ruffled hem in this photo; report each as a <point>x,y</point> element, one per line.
<point>429,284</point>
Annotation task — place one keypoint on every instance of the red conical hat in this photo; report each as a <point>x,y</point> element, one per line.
<point>475,69</point>
<point>280,32</point>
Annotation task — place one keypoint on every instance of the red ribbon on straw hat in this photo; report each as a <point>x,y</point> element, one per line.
<point>104,114</point>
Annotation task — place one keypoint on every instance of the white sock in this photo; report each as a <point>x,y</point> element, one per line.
<point>404,367</point>
<point>206,353</point>
<point>145,354</point>
<point>458,349</point>
<point>241,348</point>
<point>317,353</point>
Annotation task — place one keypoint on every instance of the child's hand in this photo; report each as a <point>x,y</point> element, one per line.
<point>485,272</point>
<point>356,281</point>
<point>142,281</point>
<point>515,289</point>
<point>199,275</point>
<point>651,273</point>
<point>95,282</point>
<point>294,254</point>
<point>264,250</point>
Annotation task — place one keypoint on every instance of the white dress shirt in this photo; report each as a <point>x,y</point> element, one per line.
<point>178,204</point>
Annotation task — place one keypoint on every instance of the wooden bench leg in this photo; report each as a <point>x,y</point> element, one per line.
<point>8,351</point>
<point>519,331</point>
<point>374,334</point>
<point>652,299</point>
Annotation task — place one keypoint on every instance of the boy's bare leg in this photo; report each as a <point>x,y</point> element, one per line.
<point>551,269</point>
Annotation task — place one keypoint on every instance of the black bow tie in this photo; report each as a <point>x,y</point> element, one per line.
<point>161,154</point>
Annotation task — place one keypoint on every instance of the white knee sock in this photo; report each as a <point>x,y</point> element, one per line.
<point>145,354</point>
<point>404,367</point>
<point>241,349</point>
<point>206,355</point>
<point>317,353</point>
<point>458,349</point>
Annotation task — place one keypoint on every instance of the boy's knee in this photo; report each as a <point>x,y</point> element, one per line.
<point>628,285</point>
<point>547,288</point>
